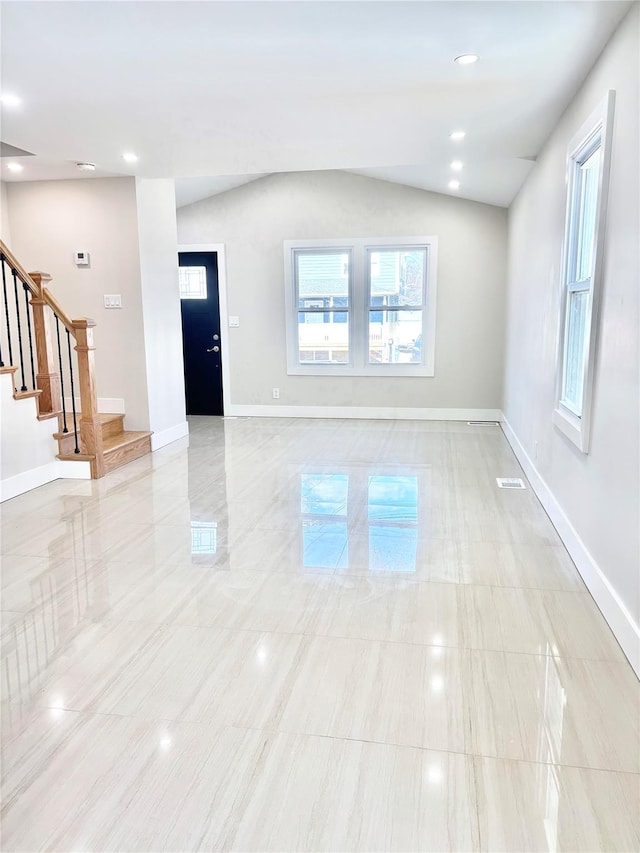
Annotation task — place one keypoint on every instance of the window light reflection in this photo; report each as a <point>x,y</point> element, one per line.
<point>323,546</point>
<point>391,501</point>
<point>204,537</point>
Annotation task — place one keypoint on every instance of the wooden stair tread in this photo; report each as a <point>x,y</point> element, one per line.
<point>125,438</point>
<point>104,419</point>
<point>24,395</point>
<point>74,457</point>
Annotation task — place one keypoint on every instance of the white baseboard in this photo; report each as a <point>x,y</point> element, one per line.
<point>364,412</point>
<point>620,620</point>
<point>27,480</point>
<point>166,436</point>
<point>68,470</point>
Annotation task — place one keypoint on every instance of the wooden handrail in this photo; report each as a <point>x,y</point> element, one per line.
<point>22,273</point>
<point>53,303</point>
<point>48,379</point>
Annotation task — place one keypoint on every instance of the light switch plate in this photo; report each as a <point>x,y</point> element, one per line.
<point>234,322</point>
<point>112,300</point>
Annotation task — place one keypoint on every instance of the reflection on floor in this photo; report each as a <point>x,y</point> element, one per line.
<point>308,635</point>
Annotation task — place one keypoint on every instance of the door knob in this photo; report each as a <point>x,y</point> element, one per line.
<point>214,349</point>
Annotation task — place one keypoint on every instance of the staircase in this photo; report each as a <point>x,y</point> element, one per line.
<point>50,357</point>
<point>119,446</point>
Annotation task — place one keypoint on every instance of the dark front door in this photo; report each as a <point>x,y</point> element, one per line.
<point>201,332</point>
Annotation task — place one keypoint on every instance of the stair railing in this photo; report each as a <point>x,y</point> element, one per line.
<point>51,358</point>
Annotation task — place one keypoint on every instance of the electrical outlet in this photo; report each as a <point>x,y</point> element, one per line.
<point>276,393</point>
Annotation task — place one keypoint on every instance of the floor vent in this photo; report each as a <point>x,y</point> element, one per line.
<point>482,423</point>
<point>510,483</point>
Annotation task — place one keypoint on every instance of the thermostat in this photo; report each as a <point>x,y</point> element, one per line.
<point>81,259</point>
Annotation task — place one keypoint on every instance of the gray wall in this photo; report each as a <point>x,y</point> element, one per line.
<point>598,492</point>
<point>254,220</point>
<point>50,220</point>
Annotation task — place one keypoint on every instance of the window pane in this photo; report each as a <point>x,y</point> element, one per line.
<point>397,276</point>
<point>193,282</point>
<point>323,337</point>
<point>575,349</point>
<point>322,275</point>
<point>586,200</point>
<point>395,337</point>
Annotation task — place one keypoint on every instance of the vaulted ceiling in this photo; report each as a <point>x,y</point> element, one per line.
<point>219,93</point>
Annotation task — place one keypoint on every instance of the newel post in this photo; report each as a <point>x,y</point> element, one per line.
<point>47,377</point>
<point>90,428</point>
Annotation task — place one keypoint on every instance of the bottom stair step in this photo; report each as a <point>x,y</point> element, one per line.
<point>118,449</point>
<point>125,447</point>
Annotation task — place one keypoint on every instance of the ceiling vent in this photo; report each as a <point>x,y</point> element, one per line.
<point>482,423</point>
<point>510,483</point>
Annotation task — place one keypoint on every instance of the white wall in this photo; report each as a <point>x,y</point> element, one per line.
<point>156,203</point>
<point>254,220</point>
<point>598,493</point>
<point>27,447</point>
<point>5,228</point>
<point>50,220</point>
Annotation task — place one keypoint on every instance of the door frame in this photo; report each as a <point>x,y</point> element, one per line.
<point>219,249</point>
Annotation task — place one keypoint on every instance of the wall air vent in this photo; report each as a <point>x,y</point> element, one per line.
<point>482,423</point>
<point>510,483</point>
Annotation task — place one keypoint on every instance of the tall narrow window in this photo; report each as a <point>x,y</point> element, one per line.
<point>587,180</point>
<point>580,273</point>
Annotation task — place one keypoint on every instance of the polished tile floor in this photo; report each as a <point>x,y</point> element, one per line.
<point>292,635</point>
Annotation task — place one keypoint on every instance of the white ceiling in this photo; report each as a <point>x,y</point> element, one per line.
<point>189,190</point>
<point>232,91</point>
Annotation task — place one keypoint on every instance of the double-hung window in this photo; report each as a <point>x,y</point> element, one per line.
<point>361,307</point>
<point>587,184</point>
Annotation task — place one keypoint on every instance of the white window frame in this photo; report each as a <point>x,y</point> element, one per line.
<point>358,364</point>
<point>576,426</point>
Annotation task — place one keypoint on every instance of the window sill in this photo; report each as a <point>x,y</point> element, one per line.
<point>572,427</point>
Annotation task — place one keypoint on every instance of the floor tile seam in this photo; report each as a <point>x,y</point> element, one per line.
<point>352,530</point>
<point>463,648</point>
<point>334,573</point>
<point>472,755</point>
<point>308,633</point>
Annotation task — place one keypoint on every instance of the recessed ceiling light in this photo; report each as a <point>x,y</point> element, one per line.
<point>86,167</point>
<point>14,167</point>
<point>11,100</point>
<point>457,135</point>
<point>457,165</point>
<point>454,185</point>
<point>130,157</point>
<point>466,59</point>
